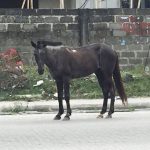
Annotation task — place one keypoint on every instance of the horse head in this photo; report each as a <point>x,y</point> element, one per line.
<point>39,55</point>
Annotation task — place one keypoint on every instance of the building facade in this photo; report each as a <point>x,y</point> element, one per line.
<point>75,4</point>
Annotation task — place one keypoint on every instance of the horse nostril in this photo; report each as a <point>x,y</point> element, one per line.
<point>41,71</point>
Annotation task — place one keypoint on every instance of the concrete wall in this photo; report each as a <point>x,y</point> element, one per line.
<point>78,3</point>
<point>129,35</point>
<point>110,4</point>
<point>89,4</point>
<point>49,4</point>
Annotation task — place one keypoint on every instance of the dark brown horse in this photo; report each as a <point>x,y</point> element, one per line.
<point>66,63</point>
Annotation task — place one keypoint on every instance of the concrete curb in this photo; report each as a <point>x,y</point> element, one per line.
<point>80,105</point>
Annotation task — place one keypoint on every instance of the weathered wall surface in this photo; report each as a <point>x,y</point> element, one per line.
<point>126,30</point>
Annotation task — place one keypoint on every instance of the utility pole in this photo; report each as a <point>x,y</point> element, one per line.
<point>97,3</point>
<point>61,4</point>
<point>131,3</point>
<point>139,4</point>
<point>29,4</point>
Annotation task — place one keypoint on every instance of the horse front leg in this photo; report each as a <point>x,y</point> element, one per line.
<point>59,84</point>
<point>67,99</point>
<point>104,107</point>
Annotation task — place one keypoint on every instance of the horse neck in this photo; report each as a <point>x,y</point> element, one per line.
<point>50,58</point>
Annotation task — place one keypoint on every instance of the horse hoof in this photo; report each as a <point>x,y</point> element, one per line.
<point>99,116</point>
<point>108,116</point>
<point>66,118</point>
<point>57,117</point>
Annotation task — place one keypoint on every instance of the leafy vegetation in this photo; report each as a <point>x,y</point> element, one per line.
<point>136,82</point>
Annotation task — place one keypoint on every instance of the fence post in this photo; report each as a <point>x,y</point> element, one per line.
<point>83,26</point>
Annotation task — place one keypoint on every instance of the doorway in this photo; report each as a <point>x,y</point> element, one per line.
<point>15,4</point>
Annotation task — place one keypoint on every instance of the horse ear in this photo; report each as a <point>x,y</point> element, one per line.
<point>33,44</point>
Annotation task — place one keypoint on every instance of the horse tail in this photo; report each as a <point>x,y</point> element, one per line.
<point>119,83</point>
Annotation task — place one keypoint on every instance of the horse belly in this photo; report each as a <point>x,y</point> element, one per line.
<point>83,63</point>
<point>83,70</point>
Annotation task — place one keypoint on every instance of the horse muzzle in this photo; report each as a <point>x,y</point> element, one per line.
<point>40,71</point>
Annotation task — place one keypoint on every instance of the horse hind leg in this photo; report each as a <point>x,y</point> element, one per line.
<point>112,96</point>
<point>67,99</point>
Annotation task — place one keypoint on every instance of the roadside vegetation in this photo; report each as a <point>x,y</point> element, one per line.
<point>136,82</point>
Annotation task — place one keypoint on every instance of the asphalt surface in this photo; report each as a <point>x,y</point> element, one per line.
<point>125,131</point>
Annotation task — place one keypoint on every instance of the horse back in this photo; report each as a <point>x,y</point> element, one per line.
<point>81,61</point>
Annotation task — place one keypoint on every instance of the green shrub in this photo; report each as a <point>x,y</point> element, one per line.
<point>80,88</point>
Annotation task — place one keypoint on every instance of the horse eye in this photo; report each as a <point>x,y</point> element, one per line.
<point>35,54</point>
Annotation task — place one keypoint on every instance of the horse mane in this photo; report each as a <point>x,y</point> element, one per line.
<point>50,43</point>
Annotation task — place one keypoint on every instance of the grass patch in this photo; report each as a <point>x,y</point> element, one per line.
<point>87,87</point>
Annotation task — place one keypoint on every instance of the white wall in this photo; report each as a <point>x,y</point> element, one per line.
<point>102,4</point>
<point>109,4</point>
<point>90,4</point>
<point>49,4</point>
<point>78,3</point>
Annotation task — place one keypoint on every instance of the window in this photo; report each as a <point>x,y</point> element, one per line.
<point>147,3</point>
<point>15,3</point>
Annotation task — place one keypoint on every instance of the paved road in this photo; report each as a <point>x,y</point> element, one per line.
<point>125,131</point>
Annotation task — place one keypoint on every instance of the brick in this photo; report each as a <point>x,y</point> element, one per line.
<point>146,47</point>
<point>125,67</point>
<point>99,34</point>
<point>21,19</point>
<point>76,19</point>
<point>142,54</point>
<point>134,47</point>
<point>146,61</point>
<point>119,33</point>
<point>14,27</point>
<point>120,47</point>
<point>127,54</point>
<point>98,12</point>
<point>123,61</point>
<point>44,27</point>
<point>122,18</point>
<point>45,12</point>
<point>59,27</point>
<point>147,18</point>
<point>51,19</point>
<point>2,11</point>
<point>9,19</point>
<point>108,19</point>
<point>13,12</point>
<point>95,19</point>
<point>35,19</point>
<point>59,12</point>
<point>29,12</point>
<point>73,27</point>
<point>72,11</point>
<point>29,28</point>
<point>115,26</point>
<point>2,27</point>
<point>98,26</point>
<point>2,19</point>
<point>128,11</point>
<point>135,61</point>
<point>66,19</point>
<point>114,11</point>
<point>142,11</point>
